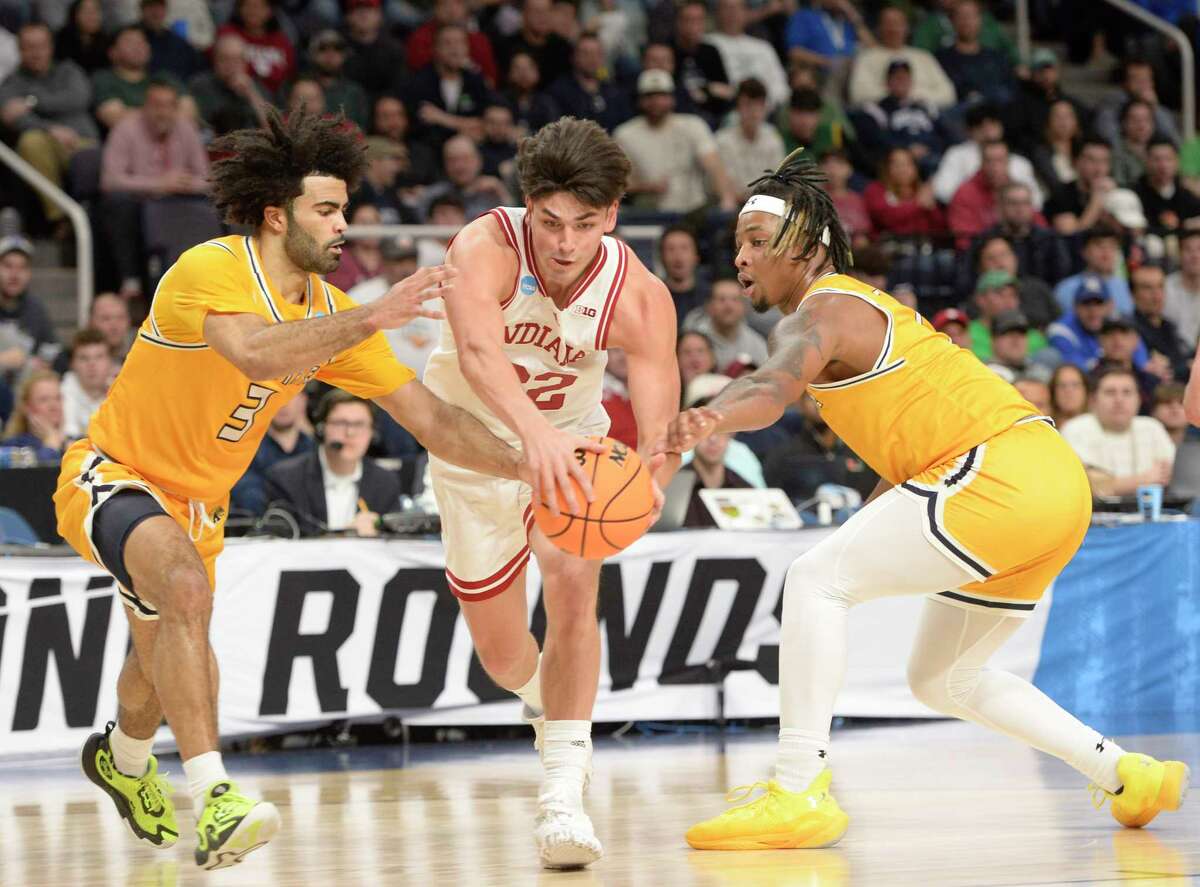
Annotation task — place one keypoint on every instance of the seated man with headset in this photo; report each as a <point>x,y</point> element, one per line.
<point>336,488</point>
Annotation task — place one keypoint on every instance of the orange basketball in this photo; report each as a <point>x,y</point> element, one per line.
<point>620,513</point>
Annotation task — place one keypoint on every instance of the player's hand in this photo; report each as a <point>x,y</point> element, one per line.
<point>365,523</point>
<point>690,427</point>
<point>1160,473</point>
<point>405,301</point>
<point>552,463</point>
<point>653,464</point>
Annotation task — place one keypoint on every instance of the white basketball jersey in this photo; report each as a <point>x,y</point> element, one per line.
<point>558,354</point>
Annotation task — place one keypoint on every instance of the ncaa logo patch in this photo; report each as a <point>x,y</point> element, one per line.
<point>528,285</point>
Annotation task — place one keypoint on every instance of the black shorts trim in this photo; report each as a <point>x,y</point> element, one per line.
<point>999,605</point>
<point>112,523</point>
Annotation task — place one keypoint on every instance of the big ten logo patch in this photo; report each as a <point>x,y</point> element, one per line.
<point>585,310</point>
<point>528,285</point>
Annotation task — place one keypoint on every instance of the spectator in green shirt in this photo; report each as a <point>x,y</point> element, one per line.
<point>935,32</point>
<point>121,88</point>
<point>996,294</point>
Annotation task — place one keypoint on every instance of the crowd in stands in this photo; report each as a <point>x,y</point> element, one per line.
<point>1057,239</point>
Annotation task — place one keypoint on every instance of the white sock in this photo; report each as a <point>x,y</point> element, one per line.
<point>801,757</point>
<point>531,691</point>
<point>566,756</point>
<point>131,755</point>
<point>1098,762</point>
<point>202,771</point>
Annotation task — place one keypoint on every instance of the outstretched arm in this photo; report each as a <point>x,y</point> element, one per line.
<point>451,433</point>
<point>801,346</point>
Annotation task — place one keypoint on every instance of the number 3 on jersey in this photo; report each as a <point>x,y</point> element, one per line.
<point>549,396</point>
<point>242,418</point>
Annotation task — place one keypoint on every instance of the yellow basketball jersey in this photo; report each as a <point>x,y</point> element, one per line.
<point>924,402</point>
<point>187,419</point>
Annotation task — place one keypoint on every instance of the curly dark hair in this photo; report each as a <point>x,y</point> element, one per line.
<point>266,166</point>
<point>812,219</point>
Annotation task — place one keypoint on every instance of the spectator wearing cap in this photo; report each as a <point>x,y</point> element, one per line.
<point>1040,253</point>
<point>994,252</point>
<point>1029,113</point>
<point>872,65</point>
<point>415,341</point>
<point>109,314</point>
<point>85,385</point>
<point>385,160</point>
<point>1166,202</point>
<point>1183,289</point>
<point>1101,257</point>
<point>585,92</point>
<point>47,104</point>
<point>899,120</point>
<point>169,52</point>
<point>698,65</point>
<point>1130,151</point>
<point>1119,341</point>
<point>227,97</point>
<point>27,340</point>
<point>826,34</point>
<point>973,209</point>
<point>153,153</point>
<point>465,180</point>
<point>899,202</point>
<point>850,205</point>
<point>996,295</point>
<point>744,56</point>
<point>683,274</point>
<point>1076,336</point>
<point>954,323</point>
<point>446,96</point>
<point>419,163</point>
<point>327,61</point>
<point>674,156</point>
<point>815,455</point>
<point>269,52</point>
<point>452,12</point>
<point>978,73</point>
<point>963,160</point>
<point>537,37</point>
<point>375,59</point>
<point>1012,350</point>
<point>1120,450</point>
<point>1137,84</point>
<point>724,322</point>
<point>1159,334</point>
<point>749,144</point>
<point>1168,409</point>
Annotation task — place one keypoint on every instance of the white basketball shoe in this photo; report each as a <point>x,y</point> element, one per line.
<point>565,836</point>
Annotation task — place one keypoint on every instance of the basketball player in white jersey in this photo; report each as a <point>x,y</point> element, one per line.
<point>542,292</point>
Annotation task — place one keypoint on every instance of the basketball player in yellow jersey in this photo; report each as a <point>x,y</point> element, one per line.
<point>980,505</point>
<point>236,328</point>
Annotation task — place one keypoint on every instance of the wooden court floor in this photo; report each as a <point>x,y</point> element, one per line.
<point>930,804</point>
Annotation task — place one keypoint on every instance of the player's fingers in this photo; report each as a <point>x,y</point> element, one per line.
<point>591,445</point>
<point>549,490</point>
<point>432,315</point>
<point>710,415</point>
<point>575,470</point>
<point>656,461</point>
<point>562,480</point>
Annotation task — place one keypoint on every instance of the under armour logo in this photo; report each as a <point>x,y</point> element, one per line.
<point>822,753</point>
<point>1100,746</point>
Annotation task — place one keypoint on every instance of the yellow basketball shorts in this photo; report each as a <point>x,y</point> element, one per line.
<point>89,478</point>
<point>1011,512</point>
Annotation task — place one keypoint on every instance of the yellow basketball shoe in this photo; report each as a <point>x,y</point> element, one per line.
<point>1148,787</point>
<point>777,820</point>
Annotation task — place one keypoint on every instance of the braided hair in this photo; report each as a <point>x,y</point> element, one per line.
<point>811,219</point>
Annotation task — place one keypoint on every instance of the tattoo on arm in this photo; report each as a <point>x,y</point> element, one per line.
<point>798,354</point>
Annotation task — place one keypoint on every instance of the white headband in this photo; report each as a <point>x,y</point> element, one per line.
<point>764,203</point>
